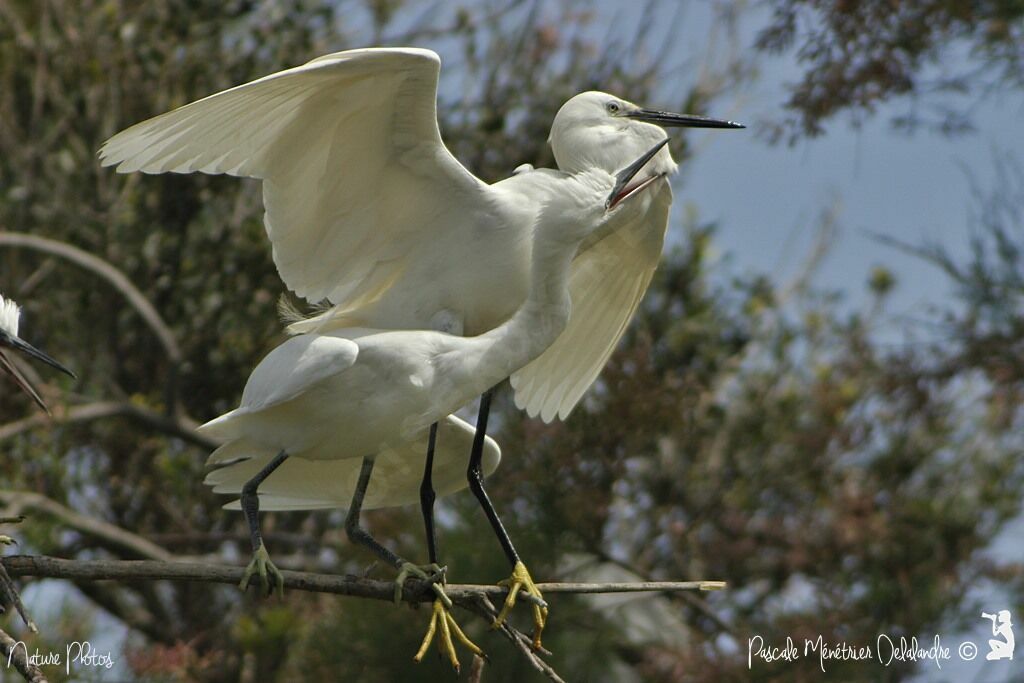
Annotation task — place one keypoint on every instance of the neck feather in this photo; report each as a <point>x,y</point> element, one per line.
<point>537,323</point>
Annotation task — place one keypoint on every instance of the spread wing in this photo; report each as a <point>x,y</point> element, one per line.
<point>356,177</point>
<point>607,282</point>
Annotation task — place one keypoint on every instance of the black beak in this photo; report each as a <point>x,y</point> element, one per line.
<point>20,380</point>
<point>667,119</point>
<point>625,175</point>
<point>29,350</point>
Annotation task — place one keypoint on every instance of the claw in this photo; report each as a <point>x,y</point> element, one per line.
<point>408,569</point>
<point>522,581</point>
<point>262,566</point>
<point>443,618</point>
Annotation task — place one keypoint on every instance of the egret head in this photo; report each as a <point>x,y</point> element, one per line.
<point>598,130</point>
<point>10,314</point>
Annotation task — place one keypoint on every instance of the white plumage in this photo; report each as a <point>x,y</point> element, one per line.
<point>10,316</point>
<point>366,207</point>
<point>301,484</point>
<point>354,393</point>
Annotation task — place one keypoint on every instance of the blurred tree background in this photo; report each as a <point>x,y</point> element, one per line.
<point>747,430</point>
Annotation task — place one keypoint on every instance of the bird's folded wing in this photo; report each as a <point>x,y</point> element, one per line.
<point>356,177</point>
<point>287,371</point>
<point>316,484</point>
<point>607,282</point>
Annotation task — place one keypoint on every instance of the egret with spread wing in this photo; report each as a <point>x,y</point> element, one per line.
<point>351,393</point>
<point>366,207</point>
<point>10,316</point>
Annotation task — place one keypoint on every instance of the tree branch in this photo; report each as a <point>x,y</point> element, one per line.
<point>471,597</point>
<point>354,586</point>
<point>178,427</point>
<point>109,273</point>
<point>20,501</point>
<point>13,651</point>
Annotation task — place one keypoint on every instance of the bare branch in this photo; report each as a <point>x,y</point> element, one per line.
<point>12,597</point>
<point>472,597</point>
<point>109,273</point>
<point>115,535</point>
<point>179,427</point>
<point>522,642</point>
<point>15,652</point>
<point>355,586</point>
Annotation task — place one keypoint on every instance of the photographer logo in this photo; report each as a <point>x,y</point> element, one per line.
<point>1001,645</point>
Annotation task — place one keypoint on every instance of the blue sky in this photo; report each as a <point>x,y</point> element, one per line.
<point>916,188</point>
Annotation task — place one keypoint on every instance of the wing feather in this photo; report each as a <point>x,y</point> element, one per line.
<point>607,283</point>
<point>287,371</point>
<point>356,176</point>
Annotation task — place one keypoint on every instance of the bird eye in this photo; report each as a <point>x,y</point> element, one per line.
<point>613,107</point>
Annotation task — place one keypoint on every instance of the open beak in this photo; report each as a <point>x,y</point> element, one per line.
<point>622,188</point>
<point>21,381</point>
<point>17,344</point>
<point>667,119</point>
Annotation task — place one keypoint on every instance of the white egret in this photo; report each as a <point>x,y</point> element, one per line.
<point>367,209</point>
<point>10,316</point>
<point>354,392</point>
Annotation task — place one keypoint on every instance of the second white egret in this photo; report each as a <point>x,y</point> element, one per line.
<point>351,393</point>
<point>367,209</point>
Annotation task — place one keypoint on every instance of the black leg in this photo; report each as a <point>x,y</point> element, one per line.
<point>427,496</point>
<point>476,479</point>
<point>251,502</point>
<point>356,533</point>
<point>260,564</point>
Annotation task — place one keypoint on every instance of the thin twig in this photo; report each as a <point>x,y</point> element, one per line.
<point>11,595</point>
<point>179,427</point>
<point>112,534</point>
<point>522,642</point>
<point>109,273</point>
<point>15,652</point>
<point>476,669</point>
<point>8,591</point>
<point>631,587</point>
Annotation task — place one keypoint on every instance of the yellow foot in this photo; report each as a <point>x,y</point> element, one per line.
<point>521,581</point>
<point>441,616</point>
<point>262,566</point>
<point>428,572</point>
<point>4,538</point>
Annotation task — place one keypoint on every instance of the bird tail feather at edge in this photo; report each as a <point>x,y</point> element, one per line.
<point>300,484</point>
